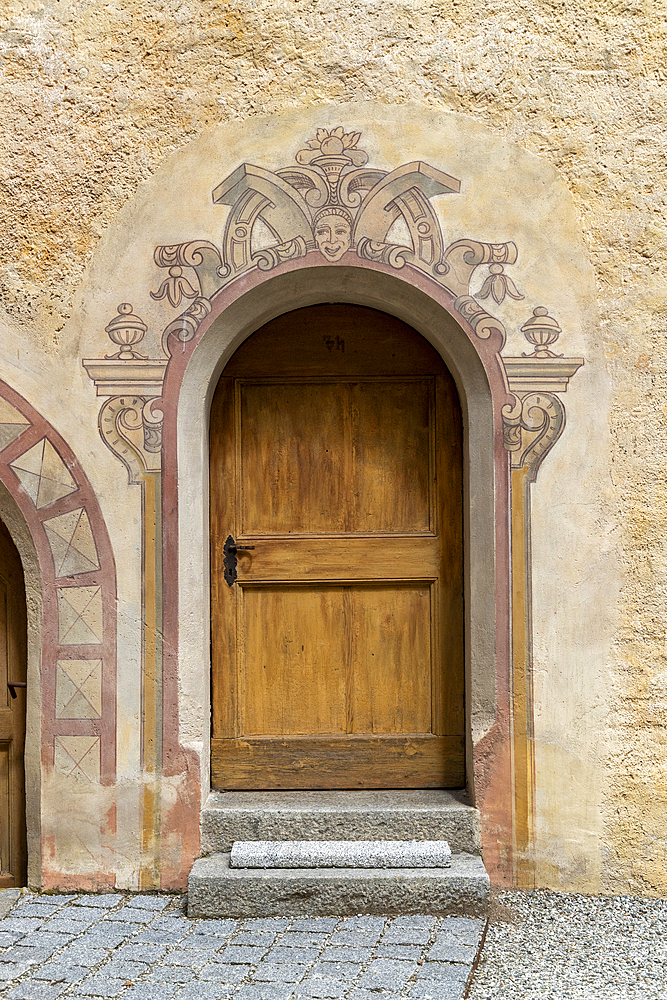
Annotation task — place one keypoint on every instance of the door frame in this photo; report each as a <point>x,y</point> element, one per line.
<point>475,364</point>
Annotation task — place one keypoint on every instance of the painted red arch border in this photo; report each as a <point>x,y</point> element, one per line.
<point>105,577</point>
<point>492,755</point>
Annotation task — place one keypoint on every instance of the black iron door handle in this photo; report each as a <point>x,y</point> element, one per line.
<point>12,685</point>
<point>229,550</point>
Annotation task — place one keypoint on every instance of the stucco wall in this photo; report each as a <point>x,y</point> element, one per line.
<point>97,97</point>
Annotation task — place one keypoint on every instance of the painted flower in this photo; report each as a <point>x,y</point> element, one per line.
<point>334,142</point>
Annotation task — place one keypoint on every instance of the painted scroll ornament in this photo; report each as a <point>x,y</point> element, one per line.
<point>329,201</point>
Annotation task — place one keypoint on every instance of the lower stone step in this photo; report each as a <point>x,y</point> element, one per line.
<point>216,890</point>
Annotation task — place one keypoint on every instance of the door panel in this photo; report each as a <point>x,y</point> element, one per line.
<point>295,652</point>
<point>292,473</point>
<point>314,457</point>
<point>336,660</point>
<point>13,632</point>
<point>390,661</point>
<point>343,635</point>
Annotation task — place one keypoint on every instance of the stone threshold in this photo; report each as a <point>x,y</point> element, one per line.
<point>422,814</point>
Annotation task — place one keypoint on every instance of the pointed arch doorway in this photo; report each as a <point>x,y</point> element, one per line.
<point>336,470</point>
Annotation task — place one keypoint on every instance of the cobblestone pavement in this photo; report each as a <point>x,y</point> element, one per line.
<point>145,948</point>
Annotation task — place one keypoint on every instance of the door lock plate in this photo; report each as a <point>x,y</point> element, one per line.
<point>229,550</point>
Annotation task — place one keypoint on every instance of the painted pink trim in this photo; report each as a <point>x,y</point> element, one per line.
<point>491,762</point>
<point>105,577</point>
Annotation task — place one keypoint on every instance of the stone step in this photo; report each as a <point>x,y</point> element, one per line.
<point>340,854</point>
<point>354,815</point>
<point>217,890</point>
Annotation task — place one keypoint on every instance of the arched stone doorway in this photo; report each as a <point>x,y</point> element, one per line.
<point>69,606</point>
<point>475,366</point>
<point>337,624</point>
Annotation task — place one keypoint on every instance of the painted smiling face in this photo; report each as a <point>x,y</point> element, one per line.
<point>333,235</point>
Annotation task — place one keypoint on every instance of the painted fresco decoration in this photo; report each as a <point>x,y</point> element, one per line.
<point>78,576</point>
<point>535,420</point>
<point>328,206</point>
<point>330,201</point>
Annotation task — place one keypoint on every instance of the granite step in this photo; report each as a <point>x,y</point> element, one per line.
<point>340,854</point>
<point>431,814</point>
<point>217,890</point>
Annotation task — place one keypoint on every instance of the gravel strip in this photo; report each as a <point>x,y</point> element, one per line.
<point>548,946</point>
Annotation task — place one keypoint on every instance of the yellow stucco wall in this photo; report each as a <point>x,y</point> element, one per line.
<point>97,96</point>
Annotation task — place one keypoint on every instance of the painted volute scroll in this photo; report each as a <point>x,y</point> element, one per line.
<point>330,201</point>
<point>338,650</point>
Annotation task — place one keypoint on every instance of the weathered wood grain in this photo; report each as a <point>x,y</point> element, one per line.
<point>306,762</point>
<point>346,619</point>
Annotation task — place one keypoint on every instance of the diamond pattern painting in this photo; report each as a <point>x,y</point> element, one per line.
<point>79,615</point>
<point>72,543</point>
<point>43,474</point>
<point>78,756</point>
<point>79,689</point>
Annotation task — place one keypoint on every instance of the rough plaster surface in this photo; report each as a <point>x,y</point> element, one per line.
<point>96,97</point>
<point>340,854</point>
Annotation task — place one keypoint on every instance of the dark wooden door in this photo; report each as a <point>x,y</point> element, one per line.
<point>13,643</point>
<point>338,652</point>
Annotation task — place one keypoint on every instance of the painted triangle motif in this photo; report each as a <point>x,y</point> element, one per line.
<point>72,543</point>
<point>43,474</point>
<point>31,460</point>
<point>30,483</point>
<point>12,423</point>
<point>78,756</point>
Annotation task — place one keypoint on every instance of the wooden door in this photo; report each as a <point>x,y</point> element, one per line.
<point>338,651</point>
<point>13,632</point>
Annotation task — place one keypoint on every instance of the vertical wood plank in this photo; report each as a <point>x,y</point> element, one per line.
<point>448,681</point>
<point>223,487</point>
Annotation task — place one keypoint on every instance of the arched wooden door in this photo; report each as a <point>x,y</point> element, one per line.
<point>338,649</point>
<point>13,644</point>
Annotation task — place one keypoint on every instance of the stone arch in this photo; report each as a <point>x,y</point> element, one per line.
<point>475,364</point>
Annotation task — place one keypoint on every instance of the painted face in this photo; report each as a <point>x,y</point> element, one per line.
<point>333,236</point>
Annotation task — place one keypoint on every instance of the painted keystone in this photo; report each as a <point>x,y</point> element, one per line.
<point>340,854</point>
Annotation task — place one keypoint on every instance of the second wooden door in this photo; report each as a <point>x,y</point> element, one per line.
<point>13,632</point>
